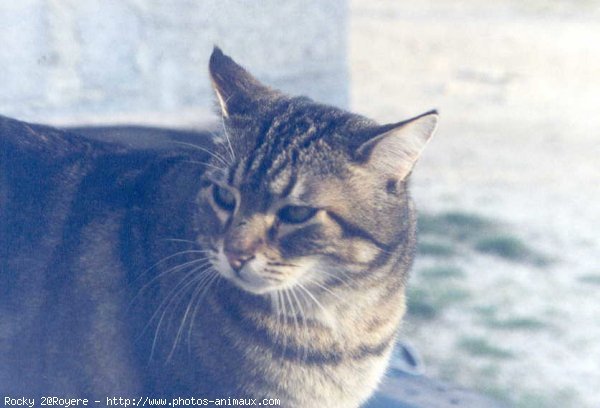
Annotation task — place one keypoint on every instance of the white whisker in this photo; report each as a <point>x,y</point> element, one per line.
<point>275,297</point>
<point>170,271</point>
<point>213,154</point>
<point>326,289</point>
<point>304,322</point>
<point>227,138</point>
<point>173,294</point>
<point>198,289</point>
<point>293,309</point>
<point>284,324</point>
<point>325,312</point>
<point>214,276</point>
<point>339,278</point>
<point>180,240</point>
<point>166,258</point>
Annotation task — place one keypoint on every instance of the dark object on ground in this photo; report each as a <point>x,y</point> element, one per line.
<point>401,390</point>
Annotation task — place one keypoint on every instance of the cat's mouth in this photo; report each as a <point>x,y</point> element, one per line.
<point>251,280</point>
<point>255,276</point>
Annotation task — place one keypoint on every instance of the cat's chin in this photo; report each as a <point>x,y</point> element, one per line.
<point>254,286</point>
<point>252,283</point>
<point>255,289</point>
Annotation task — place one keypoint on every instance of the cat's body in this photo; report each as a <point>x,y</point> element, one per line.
<point>75,221</point>
<point>270,264</point>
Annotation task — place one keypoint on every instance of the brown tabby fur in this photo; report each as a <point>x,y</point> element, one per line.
<point>268,263</point>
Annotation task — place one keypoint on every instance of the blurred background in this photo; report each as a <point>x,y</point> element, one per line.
<point>504,297</point>
<point>83,61</point>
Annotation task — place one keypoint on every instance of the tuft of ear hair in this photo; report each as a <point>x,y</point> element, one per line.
<point>395,148</point>
<point>236,89</point>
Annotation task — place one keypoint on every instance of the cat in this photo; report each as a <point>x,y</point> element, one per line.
<point>268,261</point>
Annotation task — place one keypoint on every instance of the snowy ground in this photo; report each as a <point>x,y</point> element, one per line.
<point>518,150</point>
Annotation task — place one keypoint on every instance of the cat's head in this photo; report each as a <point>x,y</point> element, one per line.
<point>298,193</point>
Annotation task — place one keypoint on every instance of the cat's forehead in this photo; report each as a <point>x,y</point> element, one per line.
<point>292,143</point>
<point>292,179</point>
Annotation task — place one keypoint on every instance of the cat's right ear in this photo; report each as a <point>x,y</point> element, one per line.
<point>394,149</point>
<point>236,89</point>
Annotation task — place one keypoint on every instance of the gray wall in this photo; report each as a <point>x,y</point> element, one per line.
<point>145,61</point>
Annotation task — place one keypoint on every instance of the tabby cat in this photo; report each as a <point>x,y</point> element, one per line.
<point>269,261</point>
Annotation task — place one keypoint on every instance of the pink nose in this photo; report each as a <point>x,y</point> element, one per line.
<point>237,260</point>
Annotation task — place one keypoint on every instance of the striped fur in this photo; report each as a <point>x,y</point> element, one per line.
<point>268,263</point>
<point>312,317</point>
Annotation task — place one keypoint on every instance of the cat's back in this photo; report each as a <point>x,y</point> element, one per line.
<point>40,171</point>
<point>71,203</point>
<point>44,170</point>
<point>46,173</point>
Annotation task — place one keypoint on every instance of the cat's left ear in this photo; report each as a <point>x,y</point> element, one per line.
<point>394,149</point>
<point>237,90</point>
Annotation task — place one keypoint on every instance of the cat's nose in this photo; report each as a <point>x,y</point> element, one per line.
<point>237,260</point>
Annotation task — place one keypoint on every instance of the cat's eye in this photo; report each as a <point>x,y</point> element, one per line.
<point>223,197</point>
<point>296,214</point>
